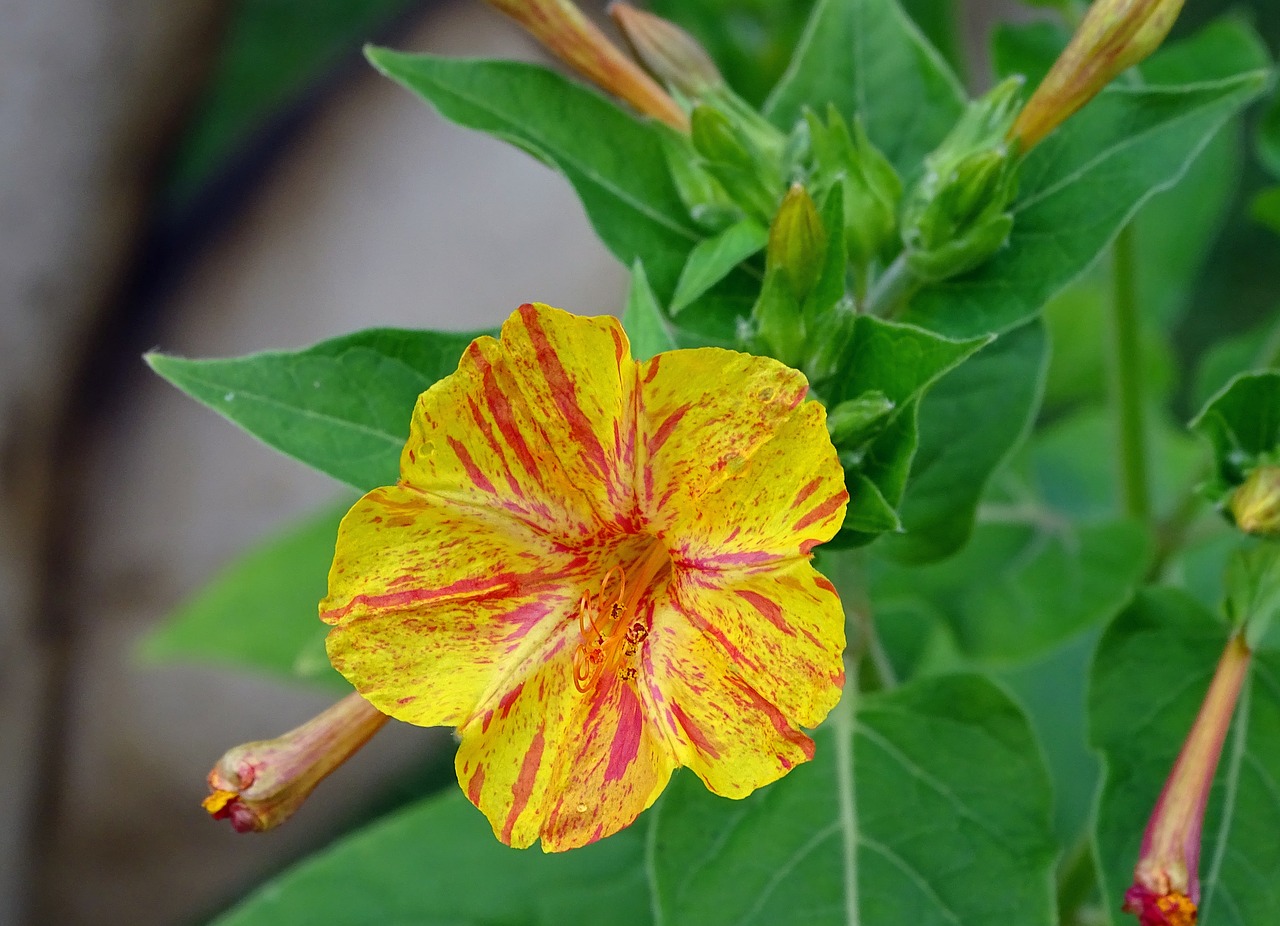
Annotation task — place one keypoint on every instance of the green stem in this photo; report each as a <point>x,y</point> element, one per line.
<point>1126,377</point>
<point>892,290</point>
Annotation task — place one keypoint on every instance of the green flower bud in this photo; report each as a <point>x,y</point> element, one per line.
<point>749,175</point>
<point>871,188</point>
<point>797,246</point>
<point>855,421</point>
<point>955,218</point>
<point>1255,504</point>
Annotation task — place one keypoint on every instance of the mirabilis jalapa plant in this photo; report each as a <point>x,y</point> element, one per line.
<point>605,550</point>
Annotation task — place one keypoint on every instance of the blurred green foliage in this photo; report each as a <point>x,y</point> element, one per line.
<point>271,51</point>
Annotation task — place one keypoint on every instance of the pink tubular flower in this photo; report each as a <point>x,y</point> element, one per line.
<point>1166,881</point>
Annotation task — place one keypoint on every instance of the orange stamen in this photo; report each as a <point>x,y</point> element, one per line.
<point>606,647</point>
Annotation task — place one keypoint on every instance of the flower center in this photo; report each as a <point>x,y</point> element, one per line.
<point>610,625</point>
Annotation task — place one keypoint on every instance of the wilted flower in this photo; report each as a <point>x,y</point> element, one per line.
<point>598,570</point>
<point>1166,881</point>
<point>259,785</point>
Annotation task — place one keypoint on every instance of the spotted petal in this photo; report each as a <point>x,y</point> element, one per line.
<point>703,414</point>
<point>434,603</point>
<point>527,426</point>
<point>548,762</point>
<point>736,669</point>
<point>788,496</point>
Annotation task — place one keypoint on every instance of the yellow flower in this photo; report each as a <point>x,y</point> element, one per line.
<point>598,570</point>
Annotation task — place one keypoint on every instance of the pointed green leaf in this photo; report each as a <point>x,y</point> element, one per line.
<point>260,612</point>
<point>869,512</point>
<point>1242,424</point>
<point>1082,185</point>
<point>341,407</point>
<point>613,160</point>
<point>869,59</point>
<point>930,806</point>
<point>437,863</point>
<point>712,259</point>
<point>1150,674</point>
<point>1021,587</point>
<point>900,361</point>
<point>969,423</point>
<point>646,326</point>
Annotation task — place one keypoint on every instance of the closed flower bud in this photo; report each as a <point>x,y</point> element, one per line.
<point>855,421</point>
<point>667,51</point>
<point>1255,504</point>
<point>569,35</point>
<point>956,216</point>
<point>259,785</point>
<point>871,188</point>
<point>797,243</point>
<point>1166,880</point>
<point>748,173</point>
<point>1113,36</point>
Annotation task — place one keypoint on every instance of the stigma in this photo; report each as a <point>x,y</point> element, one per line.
<point>610,626</point>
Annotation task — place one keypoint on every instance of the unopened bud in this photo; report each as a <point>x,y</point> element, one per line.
<point>797,243</point>
<point>855,421</point>
<point>569,35</point>
<point>749,175</point>
<point>667,51</point>
<point>956,216</point>
<point>1113,36</point>
<point>1166,880</point>
<point>870,186</point>
<point>1255,504</point>
<point>259,785</point>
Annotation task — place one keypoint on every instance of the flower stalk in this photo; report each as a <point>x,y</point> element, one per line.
<point>257,786</point>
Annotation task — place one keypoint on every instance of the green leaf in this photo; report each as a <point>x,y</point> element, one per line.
<point>969,423</point>
<point>930,805</point>
<point>1082,185</point>
<point>939,21</point>
<point>341,407</point>
<point>1265,208</point>
<point>1024,586</point>
<point>869,512</point>
<point>646,326</point>
<point>898,362</point>
<point>714,258</point>
<point>260,611</point>
<point>437,863</point>
<point>1028,49</point>
<point>1242,424</point>
<point>1254,350</point>
<point>1269,136</point>
<point>869,59</point>
<point>614,160</point>
<point>1150,674</point>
